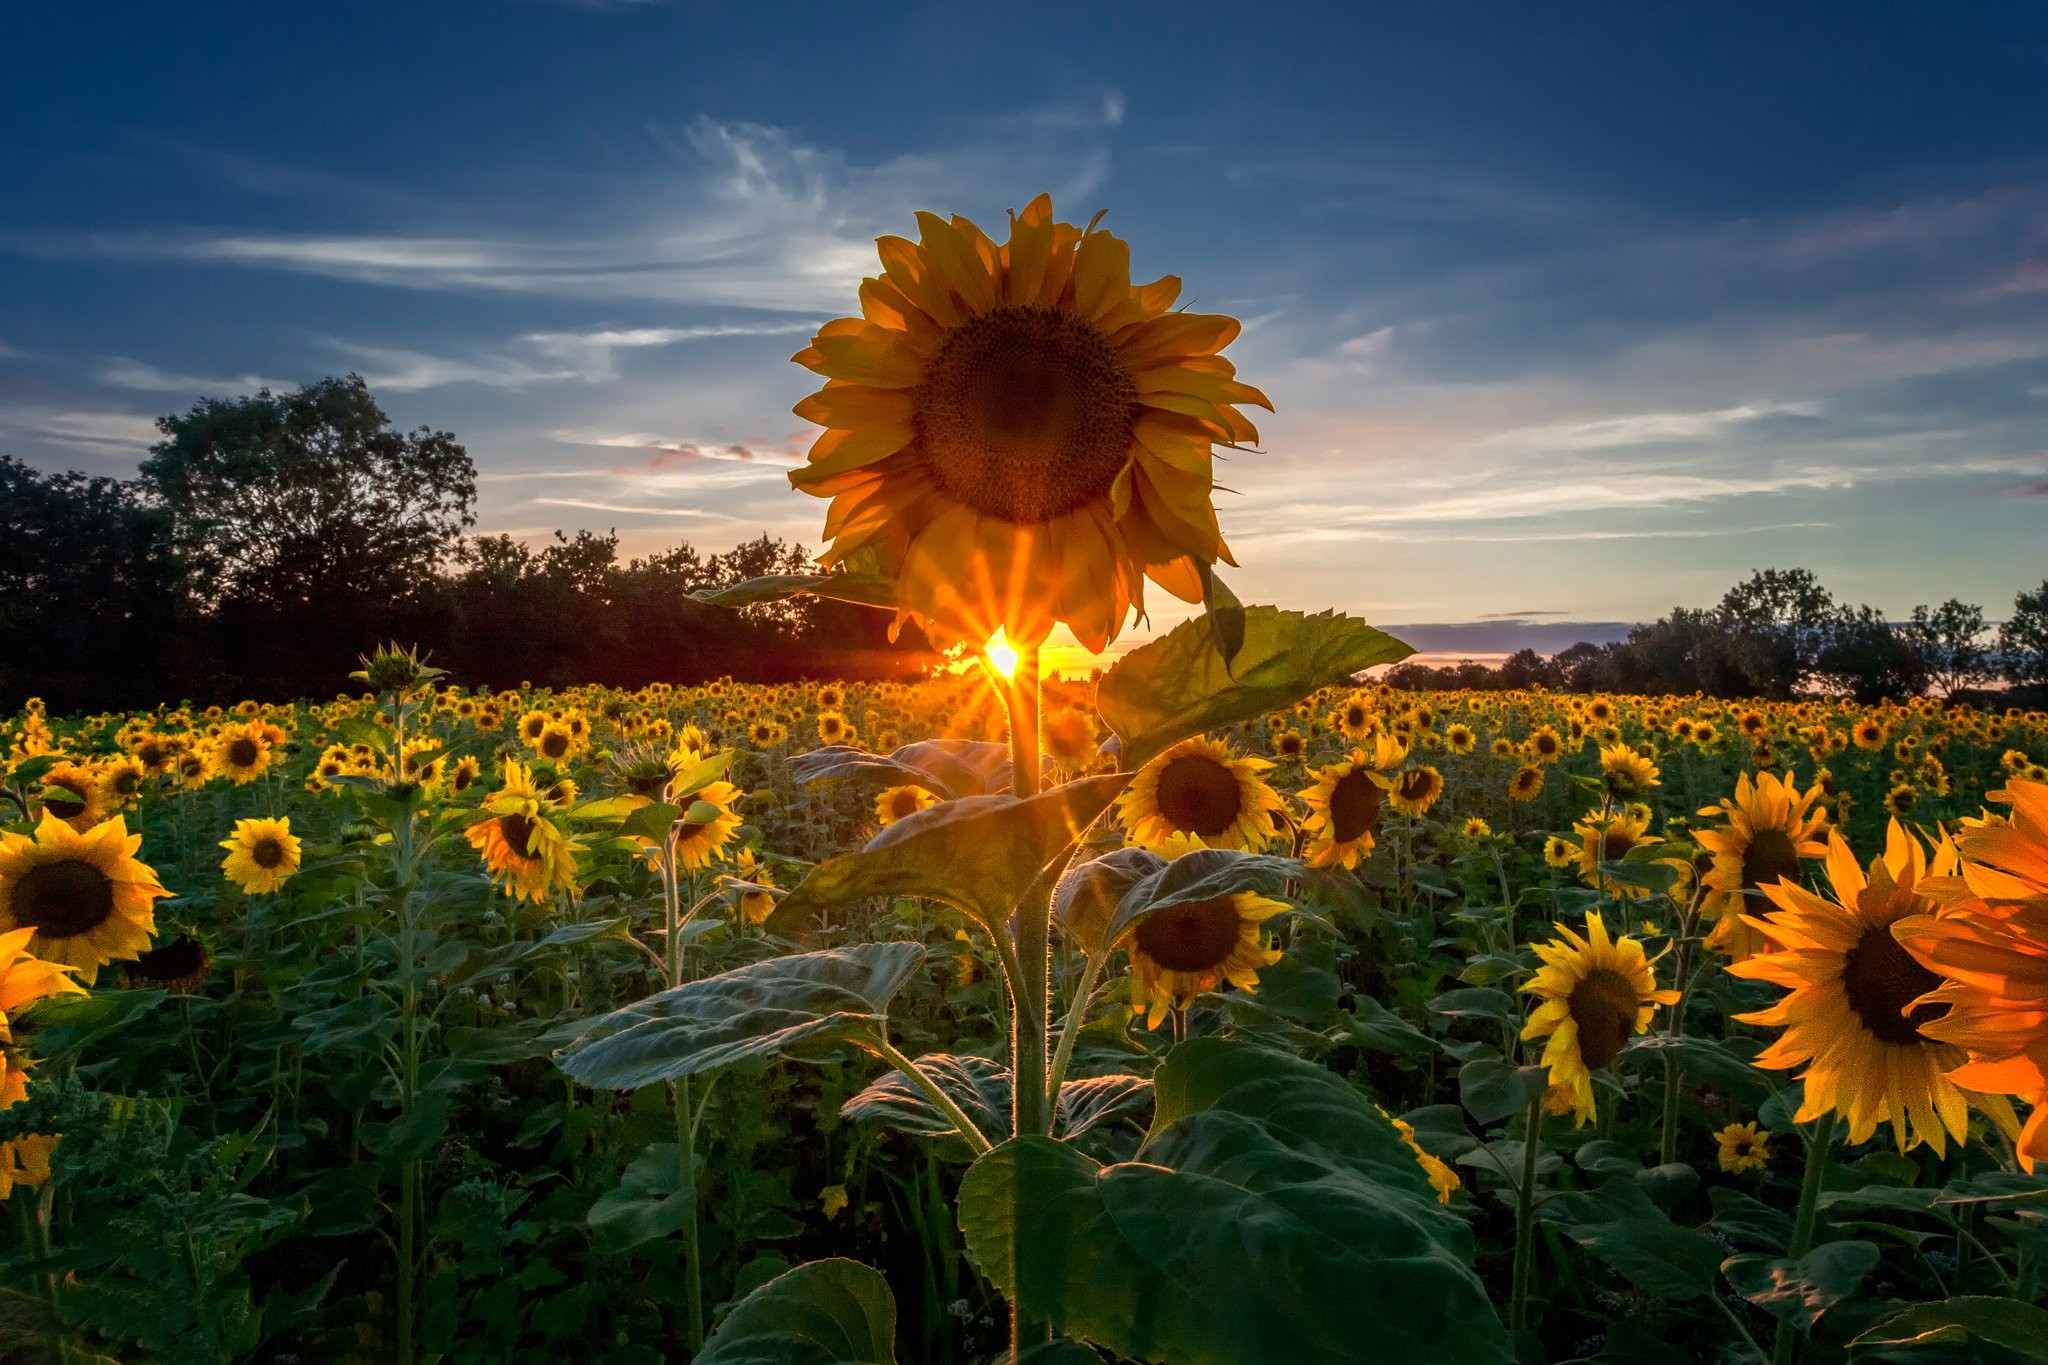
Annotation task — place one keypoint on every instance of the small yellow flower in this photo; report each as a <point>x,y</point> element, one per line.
<point>261,855</point>
<point>1744,1147</point>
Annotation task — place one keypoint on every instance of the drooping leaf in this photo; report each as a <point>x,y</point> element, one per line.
<point>2009,1323</point>
<point>1181,685</point>
<point>1225,613</point>
<point>1801,1291</point>
<point>803,1006</point>
<point>978,854</point>
<point>68,1024</point>
<point>947,768</point>
<point>1492,1090</point>
<point>1622,1226</point>
<point>832,1312</point>
<point>866,590</point>
<point>649,1201</point>
<point>982,1090</point>
<point>1204,874</point>
<point>1269,1190</point>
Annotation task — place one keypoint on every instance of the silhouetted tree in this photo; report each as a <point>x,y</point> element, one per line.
<point>1950,641</point>
<point>1777,622</point>
<point>1865,656</point>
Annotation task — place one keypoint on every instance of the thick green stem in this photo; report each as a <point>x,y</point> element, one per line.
<point>977,1141</point>
<point>686,1128</point>
<point>1077,1015</point>
<point>1031,1003</point>
<point>1688,924</point>
<point>1818,1148</point>
<point>1525,1217</point>
<point>35,1239</point>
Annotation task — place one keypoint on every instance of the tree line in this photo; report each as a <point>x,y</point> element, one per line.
<point>1780,633</point>
<point>267,541</point>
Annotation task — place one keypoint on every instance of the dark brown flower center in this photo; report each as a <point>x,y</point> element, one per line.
<point>518,832</point>
<point>904,803</point>
<point>1195,937</point>
<point>555,743</point>
<point>1418,786</point>
<point>1355,801</point>
<point>1604,1006</point>
<point>1615,842</point>
<point>1025,413</point>
<point>1881,979</point>
<point>1199,795</point>
<point>63,899</point>
<point>181,958</point>
<point>1769,858</point>
<point>267,853</point>
<point>243,752</point>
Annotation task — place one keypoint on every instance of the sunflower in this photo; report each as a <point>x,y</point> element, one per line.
<point>1459,739</point>
<point>74,794</point>
<point>525,850</point>
<point>180,967</point>
<point>555,742</point>
<point>1770,826</point>
<point>1901,799</point>
<point>1608,839</point>
<point>1196,788</point>
<point>530,727</point>
<point>1527,783</point>
<point>1855,1018</point>
<point>1415,790</point>
<point>1071,739</point>
<point>24,979</point>
<point>1627,773</point>
<point>240,753</point>
<point>707,826</point>
<point>195,770</point>
<point>261,855</point>
<point>1596,992</point>
<point>1989,946</point>
<point>1560,852</point>
<point>1182,950</point>
<point>1345,803</point>
<point>464,774</point>
<point>85,895</point>
<point>1290,745</point>
<point>121,780</point>
<point>1476,829</point>
<point>754,905</point>
<point>1868,734</point>
<point>1019,433</point>
<point>1744,1147</point>
<point>893,803</point>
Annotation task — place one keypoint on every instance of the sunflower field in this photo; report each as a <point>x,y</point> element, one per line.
<point>1218,1006</point>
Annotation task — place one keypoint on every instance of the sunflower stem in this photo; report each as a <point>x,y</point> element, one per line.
<point>674,918</point>
<point>1818,1147</point>
<point>933,1091</point>
<point>1525,1222</point>
<point>1070,1032</point>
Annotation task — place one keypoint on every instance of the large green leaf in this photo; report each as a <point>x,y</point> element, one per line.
<point>945,767</point>
<point>1181,685</point>
<point>1801,1291</point>
<point>1268,1191</point>
<point>1619,1224</point>
<point>1202,875</point>
<point>2008,1323</point>
<point>804,1006</point>
<point>862,589</point>
<point>978,854</point>
<point>649,1201</point>
<point>982,1090</point>
<point>835,1312</point>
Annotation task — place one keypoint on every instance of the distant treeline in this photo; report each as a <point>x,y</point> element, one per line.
<point>1782,633</point>
<point>268,541</point>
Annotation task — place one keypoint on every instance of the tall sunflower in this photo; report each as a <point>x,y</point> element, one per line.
<point>1989,946</point>
<point>1608,839</point>
<point>1197,788</point>
<point>85,895</point>
<point>526,852</point>
<point>239,752</point>
<point>707,825</point>
<point>1597,992</point>
<point>261,855</point>
<point>1855,1018</point>
<point>1771,825</point>
<point>1019,434</point>
<point>894,803</point>
<point>1345,803</point>
<point>1182,950</point>
<point>24,979</point>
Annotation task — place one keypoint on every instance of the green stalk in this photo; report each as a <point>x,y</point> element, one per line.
<point>933,1091</point>
<point>1525,1221</point>
<point>1688,925</point>
<point>686,1127</point>
<point>1818,1147</point>
<point>1077,1014</point>
<point>1031,1006</point>
<point>36,1239</point>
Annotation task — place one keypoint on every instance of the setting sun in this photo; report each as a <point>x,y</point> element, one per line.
<point>1001,654</point>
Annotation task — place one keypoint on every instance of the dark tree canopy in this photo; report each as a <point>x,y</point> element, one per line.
<point>2023,639</point>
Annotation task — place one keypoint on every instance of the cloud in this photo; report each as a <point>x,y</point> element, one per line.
<point>402,370</point>
<point>633,510</point>
<point>122,373</point>
<point>91,431</point>
<point>592,353</point>
<point>12,352</point>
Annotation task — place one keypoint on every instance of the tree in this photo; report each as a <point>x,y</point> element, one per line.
<point>1865,656</point>
<point>1950,640</point>
<point>308,525</point>
<point>2023,639</point>
<point>1778,623</point>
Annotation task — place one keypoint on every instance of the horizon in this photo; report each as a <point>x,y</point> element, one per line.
<point>1614,316</point>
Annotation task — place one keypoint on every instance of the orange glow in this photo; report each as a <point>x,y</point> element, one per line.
<point>1001,654</point>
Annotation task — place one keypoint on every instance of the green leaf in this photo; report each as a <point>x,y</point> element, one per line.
<point>1269,1190</point>
<point>947,768</point>
<point>1225,614</point>
<point>1476,1002</point>
<point>67,1025</point>
<point>982,1090</point>
<point>2008,1323</point>
<point>804,1007</point>
<point>867,590</point>
<point>1202,875</point>
<point>1493,1090</point>
<point>834,1312</point>
<point>648,1202</point>
<point>978,854</point>
<point>652,821</point>
<point>1180,685</point>
<point>1801,1291</point>
<point>1376,1028</point>
<point>1619,1224</point>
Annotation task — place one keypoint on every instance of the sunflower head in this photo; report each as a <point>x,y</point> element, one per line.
<point>894,803</point>
<point>1743,1147</point>
<point>1017,434</point>
<point>261,855</point>
<point>1179,951</point>
<point>1596,992</point>
<point>1197,789</point>
<point>85,895</point>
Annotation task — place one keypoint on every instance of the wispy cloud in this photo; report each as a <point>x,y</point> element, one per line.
<point>87,431</point>
<point>636,510</point>
<point>122,373</point>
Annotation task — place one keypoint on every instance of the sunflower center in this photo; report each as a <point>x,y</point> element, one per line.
<point>905,804</point>
<point>175,961</point>
<point>1417,786</point>
<point>243,752</point>
<point>267,853</point>
<point>1025,414</point>
<point>63,899</point>
<point>518,832</point>
<point>1354,806</point>
<point>1604,1006</point>
<point>1199,795</point>
<point>1198,936</point>
<point>1615,843</point>
<point>1769,858</point>
<point>1881,979</point>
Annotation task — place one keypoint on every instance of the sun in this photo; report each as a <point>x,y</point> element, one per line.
<point>1001,654</point>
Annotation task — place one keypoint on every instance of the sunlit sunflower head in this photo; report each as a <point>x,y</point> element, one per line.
<point>85,895</point>
<point>1868,734</point>
<point>1476,829</point>
<point>1459,739</point>
<point>75,794</point>
<point>1608,839</point>
<point>894,803</point>
<point>1596,992</point>
<point>262,853</point>
<point>1627,773</point>
<point>1071,739</point>
<point>1560,852</point>
<point>1345,803</point>
<point>707,826</point>
<point>1018,434</point>
<point>523,848</point>
<point>241,754</point>
<point>1769,826</point>
<point>464,775</point>
<point>1743,1147</point>
<point>121,778</point>
<point>1854,1016</point>
<point>1901,799</point>
<point>1527,783</point>
<point>1355,719</point>
<point>530,726</point>
<point>1179,951</point>
<point>1290,746</point>
<point>1415,790</point>
<point>1197,788</point>
<point>1546,745</point>
<point>555,743</point>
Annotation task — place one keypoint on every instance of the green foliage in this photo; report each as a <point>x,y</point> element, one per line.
<point>835,1312</point>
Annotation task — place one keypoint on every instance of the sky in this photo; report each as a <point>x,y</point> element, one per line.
<point>1570,313</point>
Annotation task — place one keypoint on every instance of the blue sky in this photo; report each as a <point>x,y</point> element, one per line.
<point>1571,313</point>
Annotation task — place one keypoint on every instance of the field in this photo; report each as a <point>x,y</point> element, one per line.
<point>374,1080</point>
